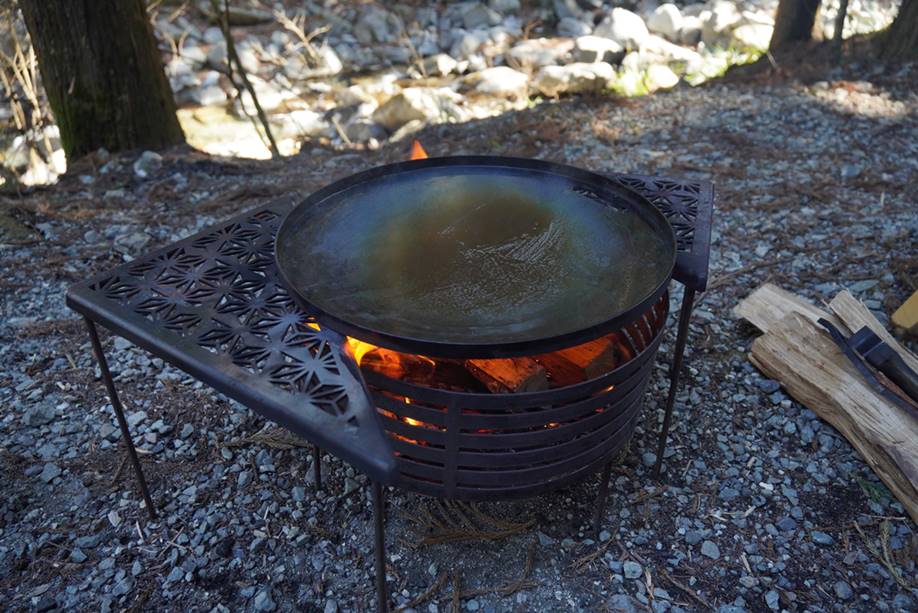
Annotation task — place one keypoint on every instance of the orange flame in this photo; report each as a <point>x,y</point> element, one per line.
<point>417,151</point>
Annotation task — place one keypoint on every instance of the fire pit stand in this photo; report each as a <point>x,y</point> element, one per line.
<point>214,306</point>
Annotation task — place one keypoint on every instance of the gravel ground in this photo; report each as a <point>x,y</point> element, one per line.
<point>762,505</point>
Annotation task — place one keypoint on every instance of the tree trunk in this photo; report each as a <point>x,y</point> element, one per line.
<point>794,22</point>
<point>103,74</point>
<point>900,41</point>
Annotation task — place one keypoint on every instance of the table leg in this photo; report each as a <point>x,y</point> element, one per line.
<point>601,498</point>
<point>119,413</point>
<point>382,596</point>
<point>685,314</point>
<point>317,466</point>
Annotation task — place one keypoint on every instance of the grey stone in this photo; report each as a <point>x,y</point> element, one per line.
<point>264,602</point>
<point>710,549</point>
<point>787,524</point>
<point>545,540</point>
<point>331,606</point>
<point>50,472</point>
<point>578,77</point>
<point>622,603</point>
<point>77,556</point>
<point>504,6</point>
<point>624,27</point>
<point>632,569</point>
<point>175,574</point>
<point>41,414</point>
<point>187,430</point>
<point>538,52</point>
<point>423,103</point>
<point>821,537</point>
<point>597,49</point>
<point>772,600</point>
<point>573,27</point>
<point>501,81</point>
<point>649,458</point>
<point>147,164</point>
<point>479,16</point>
<point>843,590</point>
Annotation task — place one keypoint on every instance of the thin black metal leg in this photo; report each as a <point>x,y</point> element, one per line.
<point>685,314</point>
<point>119,413</point>
<point>317,465</point>
<point>601,498</point>
<point>382,596</point>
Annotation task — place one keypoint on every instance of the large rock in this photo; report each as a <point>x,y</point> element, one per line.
<point>578,77</point>
<point>327,64</point>
<point>480,16</point>
<point>591,49</point>
<point>500,81</point>
<point>424,103</point>
<point>376,25</point>
<point>303,122</point>
<point>624,27</point>
<point>439,65</point>
<point>659,76</point>
<point>504,6</point>
<point>690,33</point>
<point>662,51</point>
<point>753,35</point>
<point>718,26</point>
<point>538,52</point>
<point>666,21</point>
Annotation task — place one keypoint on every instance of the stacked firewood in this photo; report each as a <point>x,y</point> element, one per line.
<point>799,353</point>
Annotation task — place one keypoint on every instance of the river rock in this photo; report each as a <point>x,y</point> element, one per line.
<point>591,49</point>
<point>480,16</point>
<point>659,76</point>
<point>504,6</point>
<point>578,77</point>
<point>717,27</point>
<point>500,81</point>
<point>538,52</point>
<point>439,65</point>
<point>754,36</point>
<point>424,103</point>
<point>690,33</point>
<point>573,28</point>
<point>666,21</point>
<point>624,27</point>
<point>376,24</point>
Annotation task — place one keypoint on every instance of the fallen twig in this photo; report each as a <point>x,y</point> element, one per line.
<point>687,590</point>
<point>426,594</point>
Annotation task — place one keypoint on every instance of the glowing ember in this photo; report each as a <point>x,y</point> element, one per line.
<point>417,151</point>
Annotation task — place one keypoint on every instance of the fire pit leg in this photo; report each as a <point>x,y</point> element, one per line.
<point>601,498</point>
<point>119,413</point>
<point>317,465</point>
<point>685,313</point>
<point>382,597</point>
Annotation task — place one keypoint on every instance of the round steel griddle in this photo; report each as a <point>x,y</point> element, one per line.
<point>475,256</point>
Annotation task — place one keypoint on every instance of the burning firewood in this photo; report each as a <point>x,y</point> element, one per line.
<point>586,361</point>
<point>509,374</point>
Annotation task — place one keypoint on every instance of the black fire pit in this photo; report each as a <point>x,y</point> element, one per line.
<point>443,260</point>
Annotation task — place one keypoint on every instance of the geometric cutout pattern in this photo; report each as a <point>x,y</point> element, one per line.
<point>222,291</point>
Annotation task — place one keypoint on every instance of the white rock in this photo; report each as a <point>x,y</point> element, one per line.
<point>501,81</point>
<point>592,49</point>
<point>303,123</point>
<point>660,77</point>
<point>466,44</point>
<point>661,50</point>
<point>439,65</point>
<point>755,36</point>
<point>573,27</point>
<point>666,21</point>
<point>147,164</point>
<point>211,95</point>
<point>716,29</point>
<point>194,54</point>
<point>578,77</point>
<point>690,33</point>
<point>538,52</point>
<point>624,27</point>
<point>424,103</point>
<point>216,55</point>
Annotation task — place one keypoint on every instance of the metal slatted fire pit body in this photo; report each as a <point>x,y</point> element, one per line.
<point>237,307</point>
<point>483,446</point>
